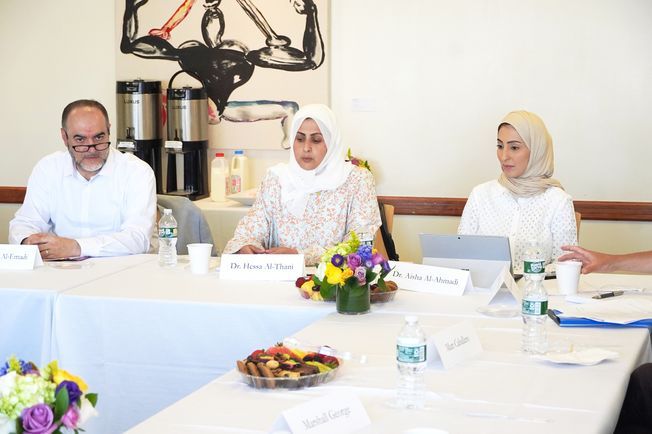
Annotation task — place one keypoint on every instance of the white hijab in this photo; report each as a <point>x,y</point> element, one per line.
<point>296,183</point>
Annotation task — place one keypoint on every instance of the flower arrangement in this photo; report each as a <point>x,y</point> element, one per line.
<point>357,161</point>
<point>346,272</point>
<point>46,401</point>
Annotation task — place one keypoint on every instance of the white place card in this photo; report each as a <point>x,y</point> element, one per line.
<point>19,257</point>
<point>340,413</point>
<point>456,344</point>
<point>261,267</point>
<point>504,290</point>
<point>428,278</point>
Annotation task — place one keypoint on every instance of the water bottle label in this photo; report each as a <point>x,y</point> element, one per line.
<point>532,307</point>
<point>411,354</point>
<point>236,184</point>
<point>167,232</point>
<point>534,267</point>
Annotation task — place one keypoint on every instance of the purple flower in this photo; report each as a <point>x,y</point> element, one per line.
<point>386,266</point>
<point>38,419</point>
<point>73,390</point>
<point>70,418</point>
<point>368,263</point>
<point>365,252</point>
<point>377,259</point>
<point>354,260</point>
<point>360,273</point>
<point>337,260</point>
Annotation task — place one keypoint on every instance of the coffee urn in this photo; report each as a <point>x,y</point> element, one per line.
<point>186,146</point>
<point>139,128</point>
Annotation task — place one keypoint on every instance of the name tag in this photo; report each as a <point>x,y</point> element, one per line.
<point>428,278</point>
<point>261,267</point>
<point>456,344</point>
<point>335,413</point>
<point>19,257</point>
<point>504,290</point>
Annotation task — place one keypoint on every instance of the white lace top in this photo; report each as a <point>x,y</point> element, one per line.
<point>329,216</point>
<point>548,217</point>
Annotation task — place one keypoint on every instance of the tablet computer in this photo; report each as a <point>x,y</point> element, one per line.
<point>484,256</point>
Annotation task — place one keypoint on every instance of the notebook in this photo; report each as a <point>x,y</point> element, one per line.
<point>483,255</point>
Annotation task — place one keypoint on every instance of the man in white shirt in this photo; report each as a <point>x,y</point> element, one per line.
<point>90,200</point>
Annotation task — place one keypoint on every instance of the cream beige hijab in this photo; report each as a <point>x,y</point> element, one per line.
<point>537,176</point>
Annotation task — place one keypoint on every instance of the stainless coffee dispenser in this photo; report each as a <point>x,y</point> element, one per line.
<point>139,129</point>
<point>186,146</point>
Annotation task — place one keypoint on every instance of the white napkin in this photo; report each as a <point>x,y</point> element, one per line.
<point>586,357</point>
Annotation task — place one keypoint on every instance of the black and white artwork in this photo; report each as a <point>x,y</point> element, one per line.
<point>256,64</point>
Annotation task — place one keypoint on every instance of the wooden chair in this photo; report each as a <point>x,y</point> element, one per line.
<point>578,220</point>
<point>378,241</point>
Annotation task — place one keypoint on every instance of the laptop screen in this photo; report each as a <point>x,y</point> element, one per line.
<point>482,255</point>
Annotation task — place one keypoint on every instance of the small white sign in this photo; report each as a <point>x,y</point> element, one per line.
<point>19,257</point>
<point>504,290</point>
<point>340,413</point>
<point>428,278</point>
<point>456,344</point>
<point>261,267</point>
<point>173,144</point>
<point>126,145</point>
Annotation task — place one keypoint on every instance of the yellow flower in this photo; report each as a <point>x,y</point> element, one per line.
<point>59,375</point>
<point>345,275</point>
<point>308,285</point>
<point>333,274</point>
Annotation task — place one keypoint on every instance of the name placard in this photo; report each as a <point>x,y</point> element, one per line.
<point>504,290</point>
<point>428,278</point>
<point>457,344</point>
<point>335,413</point>
<point>261,267</point>
<point>19,257</point>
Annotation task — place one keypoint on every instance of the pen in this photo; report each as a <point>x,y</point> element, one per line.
<point>608,294</point>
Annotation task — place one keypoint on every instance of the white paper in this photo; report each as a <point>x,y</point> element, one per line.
<point>19,257</point>
<point>457,344</point>
<point>431,279</point>
<point>618,310</point>
<point>261,267</point>
<point>340,413</point>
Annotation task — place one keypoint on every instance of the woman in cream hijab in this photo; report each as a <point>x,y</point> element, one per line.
<point>313,201</point>
<point>525,203</point>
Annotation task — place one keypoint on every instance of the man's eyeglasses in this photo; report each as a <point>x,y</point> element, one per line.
<point>97,146</point>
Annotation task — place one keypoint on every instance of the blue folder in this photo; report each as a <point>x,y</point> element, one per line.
<point>572,321</point>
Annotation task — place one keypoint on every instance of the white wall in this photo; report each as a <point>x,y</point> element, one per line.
<point>419,87</point>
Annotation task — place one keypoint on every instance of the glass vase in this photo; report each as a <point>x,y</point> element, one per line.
<point>353,300</point>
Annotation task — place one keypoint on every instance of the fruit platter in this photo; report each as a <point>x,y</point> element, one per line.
<point>288,368</point>
<point>309,290</point>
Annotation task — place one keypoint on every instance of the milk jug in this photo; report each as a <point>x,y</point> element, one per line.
<point>239,172</point>
<point>219,178</point>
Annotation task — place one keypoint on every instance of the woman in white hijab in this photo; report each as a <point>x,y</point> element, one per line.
<point>525,203</point>
<point>312,202</point>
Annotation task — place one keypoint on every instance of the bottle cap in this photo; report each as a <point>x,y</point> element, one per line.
<point>411,319</point>
<point>167,211</point>
<point>219,154</point>
<point>239,152</point>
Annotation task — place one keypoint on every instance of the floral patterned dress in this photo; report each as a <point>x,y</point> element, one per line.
<point>329,216</point>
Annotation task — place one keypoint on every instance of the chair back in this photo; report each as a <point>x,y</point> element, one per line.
<point>388,222</point>
<point>578,220</point>
<point>192,226</point>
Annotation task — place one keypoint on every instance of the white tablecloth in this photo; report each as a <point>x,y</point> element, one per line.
<point>27,298</point>
<point>148,336</point>
<point>503,391</point>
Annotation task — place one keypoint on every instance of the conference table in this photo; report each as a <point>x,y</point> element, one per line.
<point>501,391</point>
<point>159,346</point>
<point>27,299</point>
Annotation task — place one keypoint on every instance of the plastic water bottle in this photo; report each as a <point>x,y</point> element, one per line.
<point>219,178</point>
<point>239,172</point>
<point>366,237</point>
<point>411,362</point>
<point>535,301</point>
<point>167,239</point>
